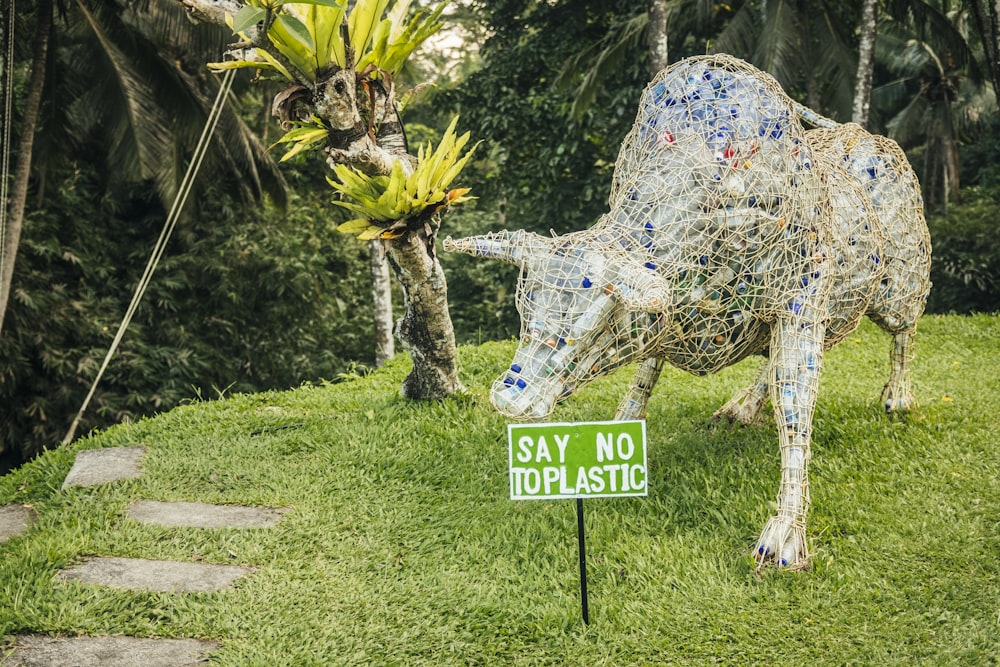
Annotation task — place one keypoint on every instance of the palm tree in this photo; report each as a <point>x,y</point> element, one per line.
<point>936,83</point>
<point>801,42</point>
<point>123,81</point>
<point>131,80</point>
<point>988,25</point>
<point>650,31</point>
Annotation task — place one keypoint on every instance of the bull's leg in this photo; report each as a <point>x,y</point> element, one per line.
<point>633,406</point>
<point>747,406</point>
<point>896,396</point>
<point>796,357</point>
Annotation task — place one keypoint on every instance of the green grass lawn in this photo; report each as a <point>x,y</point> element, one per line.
<point>401,546</point>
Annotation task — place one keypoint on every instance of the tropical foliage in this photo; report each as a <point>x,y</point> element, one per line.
<point>246,298</point>
<point>242,302</point>
<point>966,269</point>
<point>125,83</point>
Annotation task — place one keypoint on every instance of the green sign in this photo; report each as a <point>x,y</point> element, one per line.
<point>577,460</point>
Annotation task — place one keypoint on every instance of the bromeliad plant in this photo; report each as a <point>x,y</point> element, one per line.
<point>394,204</point>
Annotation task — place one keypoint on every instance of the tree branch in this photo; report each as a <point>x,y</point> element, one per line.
<point>367,156</point>
<point>213,11</point>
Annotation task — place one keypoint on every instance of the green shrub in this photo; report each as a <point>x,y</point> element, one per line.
<point>966,255</point>
<point>243,300</point>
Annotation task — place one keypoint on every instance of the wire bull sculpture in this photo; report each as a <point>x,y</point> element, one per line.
<point>732,232</point>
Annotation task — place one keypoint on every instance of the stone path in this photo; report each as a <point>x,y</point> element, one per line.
<point>14,521</point>
<point>33,651</point>
<point>165,576</point>
<point>200,515</point>
<point>104,466</point>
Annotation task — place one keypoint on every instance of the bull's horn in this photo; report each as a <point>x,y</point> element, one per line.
<point>510,247</point>
<point>641,289</point>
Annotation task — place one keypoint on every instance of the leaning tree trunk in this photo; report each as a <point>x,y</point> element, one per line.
<point>425,330</point>
<point>22,173</point>
<point>866,64</point>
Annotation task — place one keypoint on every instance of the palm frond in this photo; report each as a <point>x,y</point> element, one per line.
<point>836,61</point>
<point>891,94</point>
<point>166,23</point>
<point>166,95</point>
<point>975,108</point>
<point>604,57</point>
<point>778,50</point>
<point>740,34</point>
<point>934,27</point>
<point>145,131</point>
<point>909,125</point>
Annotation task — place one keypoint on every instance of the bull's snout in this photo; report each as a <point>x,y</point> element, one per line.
<point>523,399</point>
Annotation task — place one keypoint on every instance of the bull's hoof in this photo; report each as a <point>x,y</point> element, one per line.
<point>897,401</point>
<point>783,544</point>
<point>734,412</point>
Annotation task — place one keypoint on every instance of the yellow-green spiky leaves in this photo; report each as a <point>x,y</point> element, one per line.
<point>308,34</point>
<point>388,204</point>
<point>394,39</point>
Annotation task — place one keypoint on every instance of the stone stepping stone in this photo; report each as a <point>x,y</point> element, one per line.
<point>14,520</point>
<point>100,466</point>
<point>201,515</point>
<point>37,651</point>
<point>154,575</point>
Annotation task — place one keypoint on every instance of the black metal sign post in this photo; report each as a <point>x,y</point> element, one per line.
<point>582,542</point>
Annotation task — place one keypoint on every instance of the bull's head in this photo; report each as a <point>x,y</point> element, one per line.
<point>585,311</point>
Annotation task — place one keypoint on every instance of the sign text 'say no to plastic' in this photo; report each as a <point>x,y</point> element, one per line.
<point>577,460</point>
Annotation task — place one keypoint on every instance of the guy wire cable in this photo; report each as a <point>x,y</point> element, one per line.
<point>178,204</point>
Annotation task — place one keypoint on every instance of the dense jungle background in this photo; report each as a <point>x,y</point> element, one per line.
<point>258,291</point>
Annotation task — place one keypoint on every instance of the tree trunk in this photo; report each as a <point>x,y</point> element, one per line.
<point>988,25</point>
<point>657,10</point>
<point>866,64</point>
<point>425,330</point>
<point>814,98</point>
<point>995,38</point>
<point>22,173</point>
<point>385,348</point>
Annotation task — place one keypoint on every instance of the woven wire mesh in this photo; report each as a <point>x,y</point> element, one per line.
<point>720,194</point>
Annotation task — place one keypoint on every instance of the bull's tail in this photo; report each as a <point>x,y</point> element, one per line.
<point>813,118</point>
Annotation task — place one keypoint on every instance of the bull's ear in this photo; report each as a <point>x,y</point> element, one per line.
<point>641,289</point>
<point>510,247</point>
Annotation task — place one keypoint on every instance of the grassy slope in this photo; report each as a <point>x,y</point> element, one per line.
<point>402,547</point>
